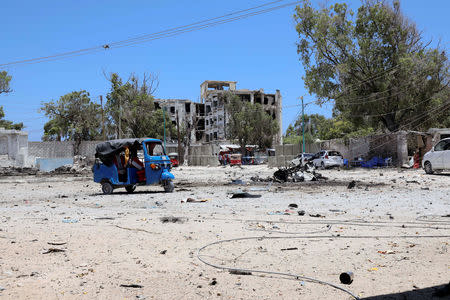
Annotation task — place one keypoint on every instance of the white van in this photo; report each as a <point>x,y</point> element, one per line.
<point>438,158</point>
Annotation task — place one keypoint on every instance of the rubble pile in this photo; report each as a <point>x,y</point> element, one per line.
<point>80,166</point>
<point>298,173</point>
<point>17,171</point>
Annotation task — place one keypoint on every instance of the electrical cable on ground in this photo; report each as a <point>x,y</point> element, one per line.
<point>295,276</point>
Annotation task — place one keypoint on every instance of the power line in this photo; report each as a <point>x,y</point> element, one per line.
<point>241,14</point>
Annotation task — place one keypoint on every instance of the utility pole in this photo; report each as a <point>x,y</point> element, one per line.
<point>164,118</point>
<point>178,138</point>
<point>103,118</point>
<point>120,117</point>
<point>303,125</point>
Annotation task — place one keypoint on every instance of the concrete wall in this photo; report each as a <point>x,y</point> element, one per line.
<point>394,145</point>
<point>52,149</point>
<point>285,153</point>
<point>203,155</point>
<point>66,149</point>
<point>14,145</point>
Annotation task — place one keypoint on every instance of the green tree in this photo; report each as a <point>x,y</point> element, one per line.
<point>4,82</point>
<point>131,110</point>
<point>8,124</point>
<point>73,117</point>
<point>319,127</point>
<point>249,123</point>
<point>374,65</point>
<point>4,88</point>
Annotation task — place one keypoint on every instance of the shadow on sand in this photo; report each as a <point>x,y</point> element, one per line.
<point>430,293</point>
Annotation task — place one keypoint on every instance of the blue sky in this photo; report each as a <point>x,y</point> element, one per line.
<point>258,52</point>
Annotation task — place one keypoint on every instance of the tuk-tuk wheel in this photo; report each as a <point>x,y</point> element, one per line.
<point>107,188</point>
<point>169,187</point>
<point>130,188</point>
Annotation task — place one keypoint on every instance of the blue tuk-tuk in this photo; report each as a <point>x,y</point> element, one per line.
<point>131,162</point>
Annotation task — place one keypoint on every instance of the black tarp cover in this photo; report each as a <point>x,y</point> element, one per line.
<point>105,151</point>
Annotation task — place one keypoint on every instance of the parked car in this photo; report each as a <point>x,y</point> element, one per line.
<point>302,157</point>
<point>328,158</point>
<point>174,159</point>
<point>438,158</point>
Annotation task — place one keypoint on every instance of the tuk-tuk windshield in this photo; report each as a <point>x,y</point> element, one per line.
<point>155,148</point>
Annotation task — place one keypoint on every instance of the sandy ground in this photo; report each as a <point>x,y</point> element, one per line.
<point>388,230</point>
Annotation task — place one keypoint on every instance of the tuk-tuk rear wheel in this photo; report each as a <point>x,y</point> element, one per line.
<point>130,188</point>
<point>169,187</point>
<point>107,188</point>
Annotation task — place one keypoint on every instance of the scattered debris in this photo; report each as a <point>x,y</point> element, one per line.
<point>237,181</point>
<point>70,221</point>
<point>301,212</point>
<point>239,272</point>
<point>287,174</point>
<point>412,181</point>
<point>17,171</point>
<point>337,211</point>
<point>136,286</point>
<point>163,252</point>
<point>386,252</point>
<point>213,282</point>
<point>287,249</point>
<point>351,185</point>
<point>56,243</point>
<point>171,219</point>
<point>26,275</point>
<point>346,277</point>
<point>53,250</point>
<point>316,216</point>
<point>192,200</point>
<point>293,205</point>
<point>135,229</point>
<point>244,195</point>
<point>259,179</point>
<point>285,212</point>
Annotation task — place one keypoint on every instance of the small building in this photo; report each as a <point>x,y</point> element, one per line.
<point>13,147</point>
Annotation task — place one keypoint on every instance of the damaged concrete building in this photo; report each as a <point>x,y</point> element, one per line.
<point>212,94</point>
<point>183,109</point>
<point>208,119</point>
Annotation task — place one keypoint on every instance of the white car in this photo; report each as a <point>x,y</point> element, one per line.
<point>302,157</point>
<point>328,158</point>
<point>438,158</point>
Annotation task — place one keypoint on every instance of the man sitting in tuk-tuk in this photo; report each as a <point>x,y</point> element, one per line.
<point>135,162</point>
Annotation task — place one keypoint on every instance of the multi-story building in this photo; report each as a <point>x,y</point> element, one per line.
<point>213,97</point>
<point>208,119</point>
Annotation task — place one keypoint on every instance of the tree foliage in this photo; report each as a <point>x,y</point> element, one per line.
<point>8,124</point>
<point>322,128</point>
<point>73,117</point>
<point>374,65</point>
<point>4,82</point>
<point>131,110</point>
<point>4,88</point>
<point>248,123</point>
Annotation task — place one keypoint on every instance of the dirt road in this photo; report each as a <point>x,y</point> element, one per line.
<point>389,230</point>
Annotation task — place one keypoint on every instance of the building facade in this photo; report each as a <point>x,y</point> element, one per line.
<point>207,120</point>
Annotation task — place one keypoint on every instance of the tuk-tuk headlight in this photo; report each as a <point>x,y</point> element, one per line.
<point>155,167</point>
